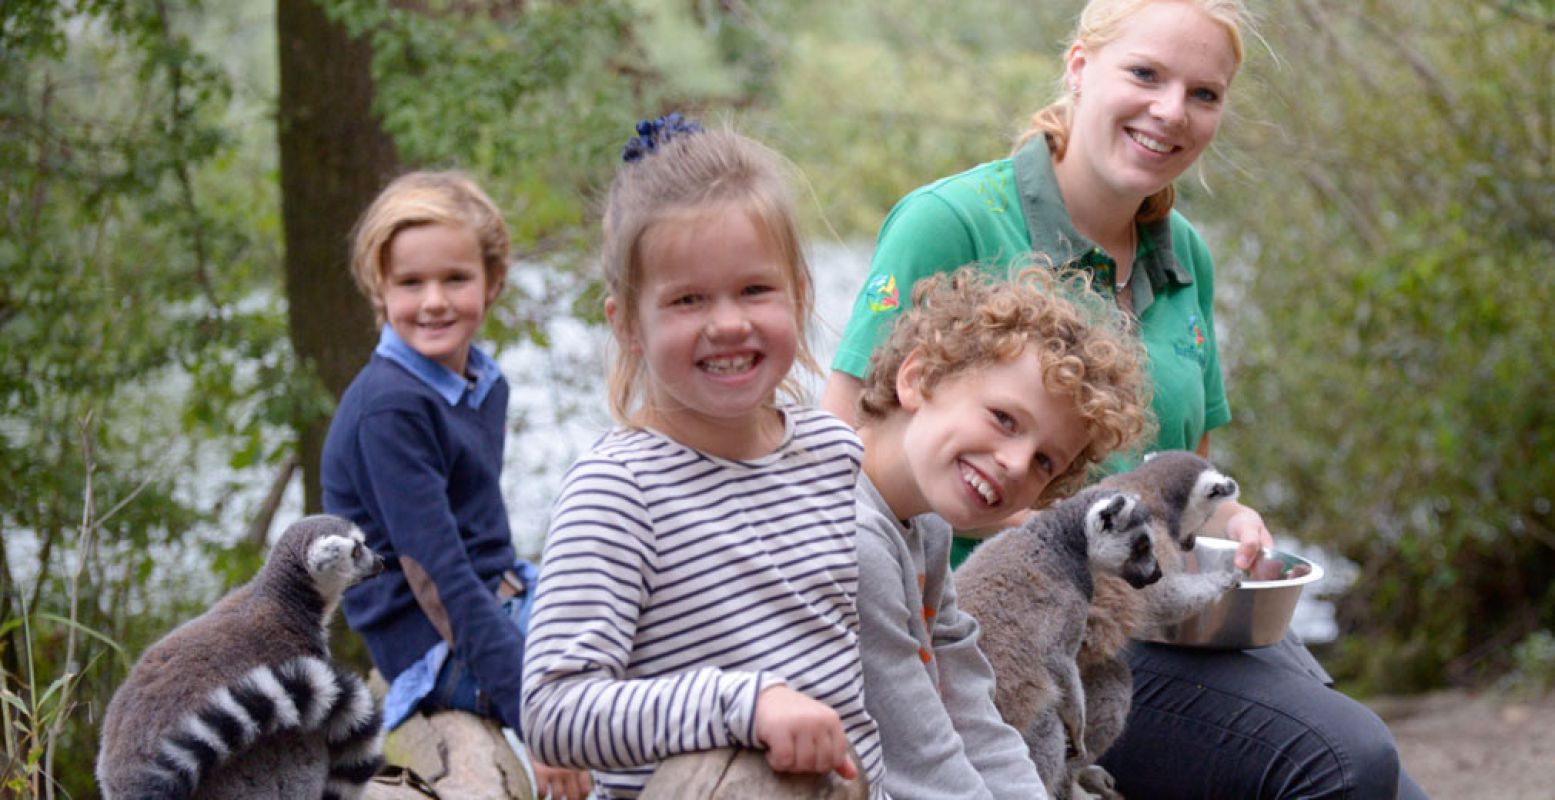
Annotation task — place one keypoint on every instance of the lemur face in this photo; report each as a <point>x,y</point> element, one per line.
<point>340,558</point>
<point>1209,491</point>
<point>1118,529</point>
<point>1182,489</point>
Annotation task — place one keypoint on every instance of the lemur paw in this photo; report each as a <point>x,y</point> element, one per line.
<point>1098,782</point>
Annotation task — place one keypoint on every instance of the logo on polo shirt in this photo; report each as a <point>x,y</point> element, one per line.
<point>993,190</point>
<point>1194,346</point>
<point>881,294</point>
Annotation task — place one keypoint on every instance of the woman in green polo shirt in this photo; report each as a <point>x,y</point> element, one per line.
<point>1090,184</point>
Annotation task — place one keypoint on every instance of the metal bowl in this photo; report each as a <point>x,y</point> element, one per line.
<point>1255,614</point>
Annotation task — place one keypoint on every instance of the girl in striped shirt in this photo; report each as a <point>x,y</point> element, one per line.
<point>699,579</point>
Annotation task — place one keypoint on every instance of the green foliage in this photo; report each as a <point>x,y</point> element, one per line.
<point>36,711</point>
<point>1533,662</point>
<point>534,102</point>
<point>1389,354</point>
<point>511,95</point>
<point>875,99</point>
<point>134,264</point>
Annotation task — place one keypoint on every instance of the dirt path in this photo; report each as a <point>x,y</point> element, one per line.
<point>1462,745</point>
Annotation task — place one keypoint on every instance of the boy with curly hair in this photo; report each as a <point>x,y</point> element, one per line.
<point>989,398</point>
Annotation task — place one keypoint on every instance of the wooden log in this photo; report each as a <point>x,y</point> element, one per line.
<point>738,774</point>
<point>461,755</point>
<point>387,791</point>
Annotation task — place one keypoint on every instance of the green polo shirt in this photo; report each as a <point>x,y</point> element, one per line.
<point>980,216</point>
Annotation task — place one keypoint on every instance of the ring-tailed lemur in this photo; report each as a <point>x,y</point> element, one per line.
<point>1182,492</point>
<point>205,702</point>
<point>1029,588</point>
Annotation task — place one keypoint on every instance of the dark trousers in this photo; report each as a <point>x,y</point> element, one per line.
<point>1249,724</point>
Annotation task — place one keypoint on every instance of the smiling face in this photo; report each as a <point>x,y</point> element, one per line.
<point>1150,101</point>
<point>715,327</point>
<point>434,291</point>
<point>983,443</point>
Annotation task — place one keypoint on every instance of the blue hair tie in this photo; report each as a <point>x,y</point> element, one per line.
<point>651,133</point>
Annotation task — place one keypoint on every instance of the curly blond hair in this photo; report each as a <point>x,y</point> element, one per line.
<point>969,319</point>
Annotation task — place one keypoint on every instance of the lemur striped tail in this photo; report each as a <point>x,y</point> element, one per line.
<point>305,694</point>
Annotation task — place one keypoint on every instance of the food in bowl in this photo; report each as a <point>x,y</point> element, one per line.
<point>1255,614</point>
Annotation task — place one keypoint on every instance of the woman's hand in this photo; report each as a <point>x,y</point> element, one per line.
<point>1239,523</point>
<point>1245,526</point>
<point>558,783</point>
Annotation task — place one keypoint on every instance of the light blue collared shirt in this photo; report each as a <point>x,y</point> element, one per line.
<point>449,386</point>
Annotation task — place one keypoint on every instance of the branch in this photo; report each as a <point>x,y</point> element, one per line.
<point>1460,669</point>
<point>119,506</point>
<point>73,591</point>
<point>41,167</point>
<point>1538,531</point>
<point>1317,17</point>
<point>1520,14</point>
<point>259,529</point>
<point>181,115</point>
<point>1364,223</point>
<point>9,664</point>
<point>1436,86</point>
<point>45,555</point>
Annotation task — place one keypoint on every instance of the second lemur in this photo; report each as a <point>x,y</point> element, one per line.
<point>1181,491</point>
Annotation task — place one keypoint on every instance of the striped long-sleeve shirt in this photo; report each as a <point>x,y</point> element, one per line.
<point>677,585</point>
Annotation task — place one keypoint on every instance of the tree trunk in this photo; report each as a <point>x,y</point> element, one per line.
<point>335,156</point>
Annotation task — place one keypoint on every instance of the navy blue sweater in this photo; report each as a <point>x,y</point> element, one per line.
<point>420,478</point>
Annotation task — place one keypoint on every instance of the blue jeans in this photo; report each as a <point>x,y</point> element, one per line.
<point>456,687</point>
<point>1249,724</point>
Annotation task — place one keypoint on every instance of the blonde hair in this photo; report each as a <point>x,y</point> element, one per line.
<point>683,178</point>
<point>449,197</point>
<point>1100,22</point>
<point>968,320</point>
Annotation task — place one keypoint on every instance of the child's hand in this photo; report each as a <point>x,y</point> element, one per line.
<point>801,734</point>
<point>561,784</point>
